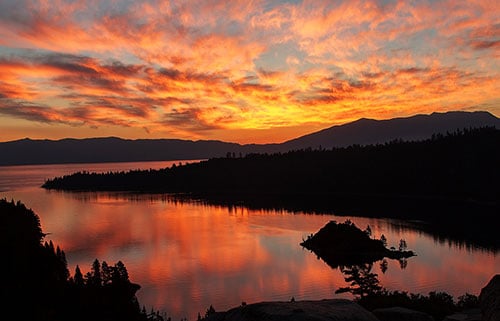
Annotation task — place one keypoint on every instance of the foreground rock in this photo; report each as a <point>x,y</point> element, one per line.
<point>346,310</point>
<point>399,314</point>
<point>466,315</point>
<point>331,310</point>
<point>489,300</point>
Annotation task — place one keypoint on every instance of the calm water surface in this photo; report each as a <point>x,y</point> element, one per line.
<point>188,256</point>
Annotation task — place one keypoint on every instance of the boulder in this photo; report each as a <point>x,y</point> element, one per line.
<point>321,310</point>
<point>489,300</point>
<point>465,315</point>
<point>401,314</point>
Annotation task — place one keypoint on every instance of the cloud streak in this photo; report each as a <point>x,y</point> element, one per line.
<point>211,70</point>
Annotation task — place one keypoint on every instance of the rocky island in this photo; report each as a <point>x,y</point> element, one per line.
<point>345,244</point>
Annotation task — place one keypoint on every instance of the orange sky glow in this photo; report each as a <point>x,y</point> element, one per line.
<point>239,71</point>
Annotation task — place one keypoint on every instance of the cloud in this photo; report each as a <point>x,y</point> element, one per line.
<point>188,119</point>
<point>484,44</point>
<point>185,68</point>
<point>36,113</point>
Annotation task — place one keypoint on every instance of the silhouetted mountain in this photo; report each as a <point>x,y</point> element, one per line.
<point>109,149</point>
<point>113,149</point>
<point>368,131</point>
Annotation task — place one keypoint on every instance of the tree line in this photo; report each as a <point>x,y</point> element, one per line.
<point>462,164</point>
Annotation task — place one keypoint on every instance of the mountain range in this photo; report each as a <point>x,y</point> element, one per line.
<point>113,149</point>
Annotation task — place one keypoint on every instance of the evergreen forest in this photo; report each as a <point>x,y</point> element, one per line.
<point>37,285</point>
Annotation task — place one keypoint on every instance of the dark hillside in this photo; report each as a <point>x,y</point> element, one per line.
<point>459,166</point>
<point>369,131</point>
<point>113,149</point>
<point>108,149</point>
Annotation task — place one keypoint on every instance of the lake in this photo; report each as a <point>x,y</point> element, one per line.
<point>189,255</point>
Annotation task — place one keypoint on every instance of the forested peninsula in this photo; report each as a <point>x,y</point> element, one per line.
<point>459,165</point>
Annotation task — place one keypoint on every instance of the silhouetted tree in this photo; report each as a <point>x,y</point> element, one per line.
<point>94,277</point>
<point>402,245</point>
<point>78,278</point>
<point>368,231</point>
<point>403,263</point>
<point>106,272</point>
<point>209,311</point>
<point>119,273</point>
<point>362,281</point>
<point>384,265</point>
<point>384,240</point>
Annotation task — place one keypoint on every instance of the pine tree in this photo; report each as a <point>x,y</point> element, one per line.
<point>78,278</point>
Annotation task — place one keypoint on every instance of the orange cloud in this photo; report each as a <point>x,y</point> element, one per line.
<point>243,65</point>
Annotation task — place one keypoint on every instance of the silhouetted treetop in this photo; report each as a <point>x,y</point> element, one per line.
<point>20,224</point>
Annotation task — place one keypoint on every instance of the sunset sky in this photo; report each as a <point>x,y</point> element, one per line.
<point>239,71</point>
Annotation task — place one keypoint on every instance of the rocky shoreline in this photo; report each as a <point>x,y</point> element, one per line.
<point>347,310</point>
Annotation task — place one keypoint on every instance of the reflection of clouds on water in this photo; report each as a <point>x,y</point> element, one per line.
<point>188,255</point>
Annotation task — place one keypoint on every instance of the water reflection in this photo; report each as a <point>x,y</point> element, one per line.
<point>464,241</point>
<point>21,176</point>
<point>188,255</point>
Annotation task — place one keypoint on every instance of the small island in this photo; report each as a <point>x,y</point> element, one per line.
<point>341,244</point>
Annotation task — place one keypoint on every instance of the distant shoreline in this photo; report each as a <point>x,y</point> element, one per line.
<point>108,162</point>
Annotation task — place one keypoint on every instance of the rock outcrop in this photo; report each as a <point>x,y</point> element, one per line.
<point>322,310</point>
<point>465,315</point>
<point>399,314</point>
<point>489,300</point>
<point>346,310</point>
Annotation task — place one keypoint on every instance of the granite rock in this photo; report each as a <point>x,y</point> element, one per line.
<point>401,314</point>
<point>321,310</point>
<point>489,300</point>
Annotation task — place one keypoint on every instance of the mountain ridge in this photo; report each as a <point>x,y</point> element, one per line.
<point>364,131</point>
<point>416,127</point>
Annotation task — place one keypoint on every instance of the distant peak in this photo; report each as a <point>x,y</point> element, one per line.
<point>462,112</point>
<point>365,119</point>
<point>361,121</point>
<point>25,139</point>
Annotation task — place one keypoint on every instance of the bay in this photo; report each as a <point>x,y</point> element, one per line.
<point>189,255</point>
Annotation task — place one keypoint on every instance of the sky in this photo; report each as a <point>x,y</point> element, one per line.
<point>239,71</point>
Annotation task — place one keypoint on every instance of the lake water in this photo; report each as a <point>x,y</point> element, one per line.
<point>188,255</point>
